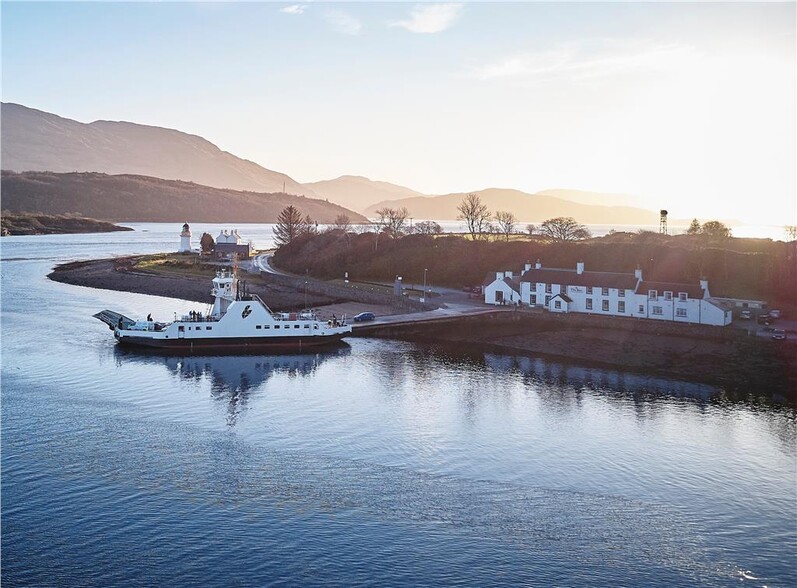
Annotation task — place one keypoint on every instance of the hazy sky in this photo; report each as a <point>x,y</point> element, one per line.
<point>689,106</point>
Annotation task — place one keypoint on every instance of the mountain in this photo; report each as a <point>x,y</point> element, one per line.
<point>526,208</point>
<point>585,197</point>
<point>358,193</point>
<point>142,198</point>
<point>33,140</point>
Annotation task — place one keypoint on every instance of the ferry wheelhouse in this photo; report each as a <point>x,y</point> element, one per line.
<point>237,320</point>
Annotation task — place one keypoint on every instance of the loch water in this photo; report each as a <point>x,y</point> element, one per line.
<point>379,463</point>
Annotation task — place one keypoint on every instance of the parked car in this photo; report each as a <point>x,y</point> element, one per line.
<point>779,334</point>
<point>765,319</point>
<point>745,315</point>
<point>774,313</point>
<point>364,316</point>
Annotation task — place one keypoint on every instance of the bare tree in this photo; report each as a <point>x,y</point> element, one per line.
<point>791,232</point>
<point>505,223</point>
<point>392,220</point>
<point>564,228</point>
<point>428,228</point>
<point>531,229</point>
<point>342,223</point>
<point>290,225</point>
<point>475,214</point>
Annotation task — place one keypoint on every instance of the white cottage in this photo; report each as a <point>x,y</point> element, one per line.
<point>608,293</point>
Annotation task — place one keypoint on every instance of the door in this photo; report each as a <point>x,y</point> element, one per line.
<point>181,332</point>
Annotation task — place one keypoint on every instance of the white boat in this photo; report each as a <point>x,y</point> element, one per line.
<point>237,321</point>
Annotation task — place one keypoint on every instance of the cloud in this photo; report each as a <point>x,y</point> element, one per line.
<point>294,9</point>
<point>430,18</point>
<point>589,60</point>
<point>343,22</point>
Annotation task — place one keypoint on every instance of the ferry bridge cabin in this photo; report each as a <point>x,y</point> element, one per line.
<point>606,293</point>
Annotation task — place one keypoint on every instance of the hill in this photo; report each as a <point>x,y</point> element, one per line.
<point>44,224</point>
<point>141,198</point>
<point>526,208</point>
<point>359,193</point>
<point>33,140</point>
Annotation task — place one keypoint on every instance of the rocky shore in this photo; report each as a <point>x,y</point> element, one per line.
<point>45,224</point>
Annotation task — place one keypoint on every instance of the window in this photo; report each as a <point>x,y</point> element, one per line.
<point>641,309</point>
<point>548,289</point>
<point>621,293</point>
<point>667,295</point>
<point>589,289</point>
<point>307,326</point>
<point>605,305</point>
<point>276,326</point>
<point>682,296</point>
<point>547,300</point>
<point>557,304</point>
<point>604,291</point>
<point>533,299</point>
<point>589,303</point>
<point>652,295</point>
<point>621,306</point>
<point>257,326</point>
<point>681,312</point>
<point>656,310</point>
<point>208,328</point>
<point>296,326</point>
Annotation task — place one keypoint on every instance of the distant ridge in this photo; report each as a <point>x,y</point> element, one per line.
<point>358,192</point>
<point>33,140</point>
<point>526,208</point>
<point>141,198</point>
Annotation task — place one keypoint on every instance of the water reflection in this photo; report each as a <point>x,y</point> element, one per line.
<point>233,378</point>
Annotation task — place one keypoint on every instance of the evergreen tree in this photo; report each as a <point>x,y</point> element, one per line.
<point>290,224</point>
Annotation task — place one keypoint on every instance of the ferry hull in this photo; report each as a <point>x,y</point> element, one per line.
<point>232,343</point>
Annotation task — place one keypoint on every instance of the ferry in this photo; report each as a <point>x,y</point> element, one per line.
<point>237,321</point>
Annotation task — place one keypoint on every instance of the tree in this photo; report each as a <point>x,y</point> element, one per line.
<point>694,227</point>
<point>342,223</point>
<point>428,228</point>
<point>310,226</point>
<point>531,229</point>
<point>506,223</point>
<point>391,220</point>
<point>207,243</point>
<point>564,228</point>
<point>475,214</point>
<point>715,230</point>
<point>290,225</point>
<point>791,232</point>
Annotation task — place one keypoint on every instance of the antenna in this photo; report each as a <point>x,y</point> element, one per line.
<point>663,222</point>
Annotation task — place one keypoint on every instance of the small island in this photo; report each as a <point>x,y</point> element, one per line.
<point>48,224</point>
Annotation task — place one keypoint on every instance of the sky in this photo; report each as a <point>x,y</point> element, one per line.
<point>687,106</point>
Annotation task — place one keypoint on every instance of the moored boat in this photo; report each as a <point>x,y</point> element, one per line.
<point>237,320</point>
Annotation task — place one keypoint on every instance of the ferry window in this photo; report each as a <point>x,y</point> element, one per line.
<point>652,294</point>
<point>181,328</point>
<point>605,305</point>
<point>621,306</point>
<point>682,296</point>
<point>208,328</point>
<point>657,310</point>
<point>668,296</point>
<point>604,291</point>
<point>589,289</point>
<point>296,326</point>
<point>680,312</point>
<point>258,326</point>
<point>266,326</point>
<point>589,303</point>
<point>276,326</point>
<point>307,326</point>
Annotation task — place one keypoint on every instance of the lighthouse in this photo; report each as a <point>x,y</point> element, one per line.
<point>185,239</point>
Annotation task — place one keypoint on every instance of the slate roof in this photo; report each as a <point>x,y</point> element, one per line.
<point>564,297</point>
<point>573,278</point>
<point>692,290</point>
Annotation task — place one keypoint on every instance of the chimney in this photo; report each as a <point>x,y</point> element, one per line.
<point>499,275</point>
<point>527,267</point>
<point>704,286</point>
<point>580,267</point>
<point>638,273</point>
<point>508,274</point>
<point>538,265</point>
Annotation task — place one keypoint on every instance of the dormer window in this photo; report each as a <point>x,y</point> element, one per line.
<point>667,295</point>
<point>653,295</point>
<point>682,296</point>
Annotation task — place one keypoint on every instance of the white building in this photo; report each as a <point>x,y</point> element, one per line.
<point>607,293</point>
<point>185,240</point>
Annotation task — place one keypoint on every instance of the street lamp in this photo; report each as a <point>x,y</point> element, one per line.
<point>423,298</point>
<point>305,294</point>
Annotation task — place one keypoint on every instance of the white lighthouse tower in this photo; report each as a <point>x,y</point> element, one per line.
<point>185,239</point>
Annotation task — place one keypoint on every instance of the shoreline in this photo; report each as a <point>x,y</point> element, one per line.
<point>727,358</point>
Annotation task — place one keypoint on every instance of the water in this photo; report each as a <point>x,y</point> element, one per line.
<point>377,462</point>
